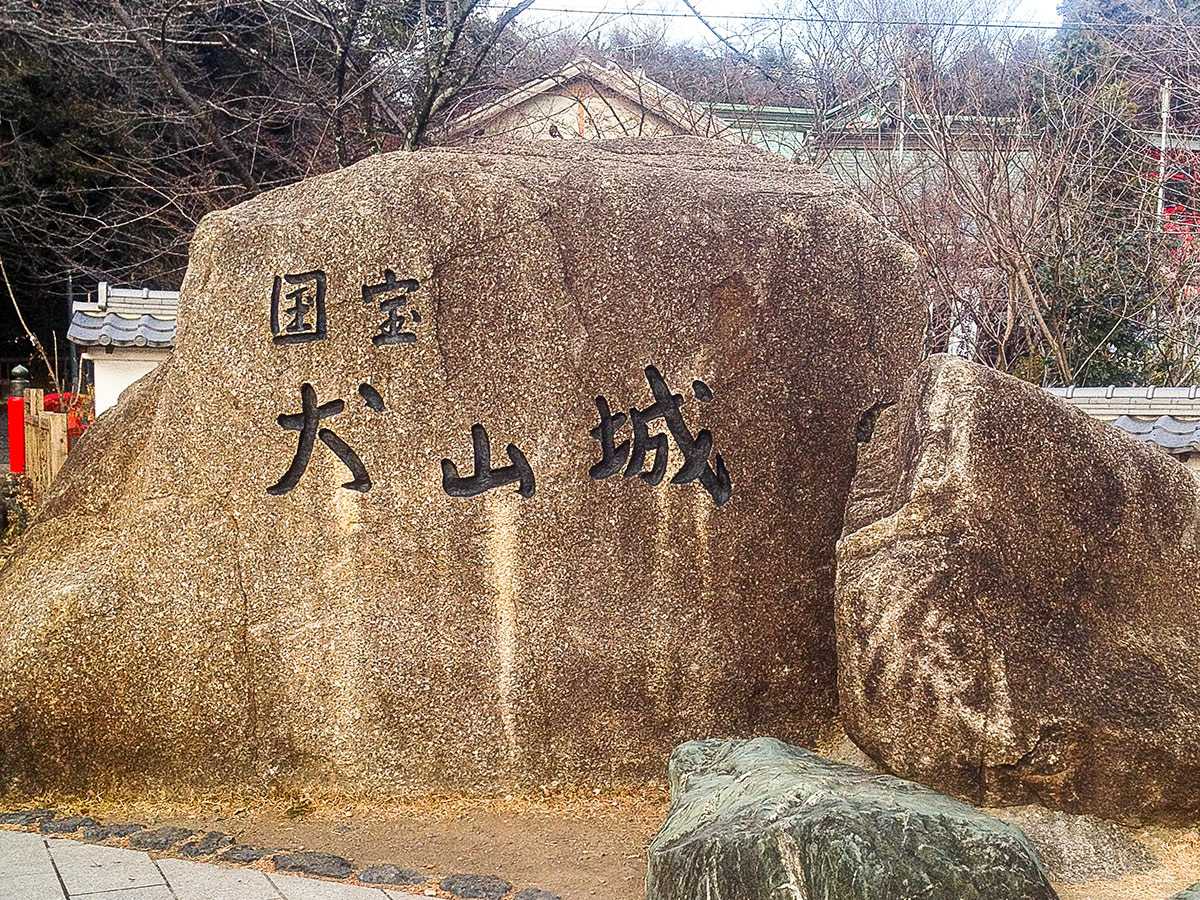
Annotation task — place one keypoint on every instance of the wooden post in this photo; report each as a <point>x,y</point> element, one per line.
<point>45,440</point>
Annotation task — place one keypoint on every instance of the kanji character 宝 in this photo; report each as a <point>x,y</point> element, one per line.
<point>395,292</point>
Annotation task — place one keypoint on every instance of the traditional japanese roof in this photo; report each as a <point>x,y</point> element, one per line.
<point>125,317</point>
<point>1169,418</point>
<point>115,330</point>
<point>1173,435</point>
<point>689,117</point>
<point>1112,402</point>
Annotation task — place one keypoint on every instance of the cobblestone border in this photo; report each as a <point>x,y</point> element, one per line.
<point>216,846</point>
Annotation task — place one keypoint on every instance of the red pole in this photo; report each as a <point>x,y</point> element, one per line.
<point>16,435</point>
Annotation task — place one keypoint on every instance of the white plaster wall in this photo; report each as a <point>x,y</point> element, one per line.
<point>115,373</point>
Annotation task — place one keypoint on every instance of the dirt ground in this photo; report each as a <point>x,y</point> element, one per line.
<point>594,847</point>
<point>579,848</point>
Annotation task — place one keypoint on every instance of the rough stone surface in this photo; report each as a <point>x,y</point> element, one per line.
<point>159,838</point>
<point>107,832</point>
<point>211,843</point>
<point>1075,849</point>
<point>26,816</point>
<point>389,874</point>
<point>475,887</point>
<point>307,862</point>
<point>210,630</point>
<point>759,819</point>
<point>242,853</point>
<point>1019,603</point>
<point>1192,893</point>
<point>535,894</point>
<point>67,824</point>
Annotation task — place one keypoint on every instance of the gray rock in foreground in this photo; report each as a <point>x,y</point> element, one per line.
<point>1192,893</point>
<point>759,820</point>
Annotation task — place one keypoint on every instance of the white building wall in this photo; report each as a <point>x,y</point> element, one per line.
<point>118,370</point>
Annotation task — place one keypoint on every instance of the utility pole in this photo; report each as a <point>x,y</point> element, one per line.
<point>1162,147</point>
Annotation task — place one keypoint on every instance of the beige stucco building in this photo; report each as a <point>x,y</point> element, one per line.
<point>586,100</point>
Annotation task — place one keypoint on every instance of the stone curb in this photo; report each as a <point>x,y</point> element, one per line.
<point>219,848</point>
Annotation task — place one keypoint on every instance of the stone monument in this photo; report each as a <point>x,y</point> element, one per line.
<point>470,469</point>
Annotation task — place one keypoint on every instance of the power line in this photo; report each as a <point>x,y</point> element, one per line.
<point>821,20</point>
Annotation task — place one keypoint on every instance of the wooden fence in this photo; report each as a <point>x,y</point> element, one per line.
<point>45,440</point>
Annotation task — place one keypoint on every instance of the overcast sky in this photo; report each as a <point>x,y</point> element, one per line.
<point>682,25</point>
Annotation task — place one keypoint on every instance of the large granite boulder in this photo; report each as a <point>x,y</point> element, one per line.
<point>1018,603</point>
<point>761,820</point>
<point>275,558</point>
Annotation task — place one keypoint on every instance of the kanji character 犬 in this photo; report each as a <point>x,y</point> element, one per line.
<point>307,422</point>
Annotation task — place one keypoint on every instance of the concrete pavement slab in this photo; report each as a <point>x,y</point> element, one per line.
<point>204,881</point>
<point>26,872</point>
<point>30,887</point>
<point>92,868</point>
<point>161,892</point>
<point>23,853</point>
<point>292,887</point>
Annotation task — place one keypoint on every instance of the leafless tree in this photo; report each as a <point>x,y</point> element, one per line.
<point>123,123</point>
<point>1022,182</point>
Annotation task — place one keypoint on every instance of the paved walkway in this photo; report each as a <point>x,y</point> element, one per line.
<point>35,867</point>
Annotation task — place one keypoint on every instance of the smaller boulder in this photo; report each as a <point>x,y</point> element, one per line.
<point>160,838</point>
<point>1192,893</point>
<point>97,833</point>
<point>535,894</point>
<point>1018,603</point>
<point>475,887</point>
<point>323,865</point>
<point>390,875</point>
<point>759,819</point>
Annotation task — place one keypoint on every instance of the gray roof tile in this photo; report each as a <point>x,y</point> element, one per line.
<point>1172,434</point>
<point>113,330</point>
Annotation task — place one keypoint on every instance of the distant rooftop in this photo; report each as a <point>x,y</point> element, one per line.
<point>1169,418</point>
<point>125,317</point>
